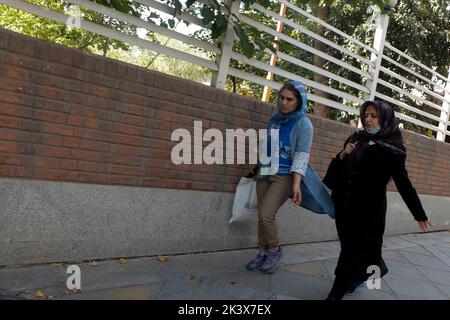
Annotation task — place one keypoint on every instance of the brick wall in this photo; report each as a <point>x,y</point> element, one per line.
<point>70,116</point>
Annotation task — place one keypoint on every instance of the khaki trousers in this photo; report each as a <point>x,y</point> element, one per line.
<point>271,193</point>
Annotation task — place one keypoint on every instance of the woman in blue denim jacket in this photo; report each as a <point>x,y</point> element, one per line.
<point>281,178</point>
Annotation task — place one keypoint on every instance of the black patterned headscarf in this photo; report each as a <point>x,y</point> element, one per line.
<point>389,137</point>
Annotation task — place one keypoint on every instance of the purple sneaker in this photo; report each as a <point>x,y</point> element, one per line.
<point>256,263</point>
<point>271,262</point>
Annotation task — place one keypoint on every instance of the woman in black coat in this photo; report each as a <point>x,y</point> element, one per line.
<point>361,172</point>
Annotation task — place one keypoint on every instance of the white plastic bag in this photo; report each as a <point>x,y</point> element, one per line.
<point>245,206</point>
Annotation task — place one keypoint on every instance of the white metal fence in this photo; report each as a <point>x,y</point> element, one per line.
<point>378,60</point>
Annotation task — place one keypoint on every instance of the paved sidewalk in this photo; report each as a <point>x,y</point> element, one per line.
<point>419,268</point>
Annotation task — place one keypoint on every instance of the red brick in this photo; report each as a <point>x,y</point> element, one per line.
<point>52,93</point>
<point>68,164</point>
<point>74,120</point>
<point>129,150</point>
<point>14,72</point>
<point>94,145</point>
<point>49,116</point>
<point>41,138</point>
<point>136,121</point>
<point>13,159</point>
<point>124,180</point>
<point>91,156</point>
<point>91,166</point>
<point>87,134</point>
<point>126,170</point>
<point>13,134</point>
<point>25,172</point>
<point>11,147</point>
<point>43,162</point>
<point>136,141</point>
<point>23,61</point>
<point>10,122</point>
<point>88,177</point>
<point>15,110</point>
<point>58,69</point>
<point>7,170</point>
<point>57,129</point>
<point>126,129</point>
<point>51,151</point>
<point>129,160</point>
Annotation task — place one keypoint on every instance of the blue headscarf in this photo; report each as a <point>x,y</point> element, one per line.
<point>279,118</point>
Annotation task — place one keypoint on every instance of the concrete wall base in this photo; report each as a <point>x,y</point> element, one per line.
<point>44,221</point>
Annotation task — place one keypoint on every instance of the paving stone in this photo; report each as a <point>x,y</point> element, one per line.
<point>417,250</point>
<point>201,294</point>
<point>404,269</point>
<point>425,261</point>
<point>395,243</point>
<point>111,274</point>
<point>421,239</point>
<point>293,254</point>
<point>443,249</point>
<point>315,269</point>
<point>175,291</point>
<point>146,292</point>
<point>416,271</point>
<point>435,275</point>
<point>283,297</point>
<point>444,244</point>
<point>367,294</point>
<point>236,290</point>
<point>415,288</point>
<point>445,289</point>
<point>251,279</point>
<point>438,253</point>
<point>299,285</point>
<point>31,277</point>
<point>394,255</point>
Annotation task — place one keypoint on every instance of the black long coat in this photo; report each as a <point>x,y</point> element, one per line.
<point>360,205</point>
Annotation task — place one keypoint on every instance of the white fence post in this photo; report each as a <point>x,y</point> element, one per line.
<point>223,61</point>
<point>378,45</point>
<point>444,113</point>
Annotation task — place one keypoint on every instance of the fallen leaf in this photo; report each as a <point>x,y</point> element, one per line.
<point>163,258</point>
<point>188,276</point>
<point>56,264</point>
<point>40,294</point>
<point>68,291</point>
<point>123,261</point>
<point>93,263</point>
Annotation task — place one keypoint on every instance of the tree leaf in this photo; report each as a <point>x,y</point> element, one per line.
<point>188,276</point>
<point>219,27</point>
<point>207,14</point>
<point>163,258</point>
<point>93,263</point>
<point>178,7</point>
<point>40,294</point>
<point>189,3</point>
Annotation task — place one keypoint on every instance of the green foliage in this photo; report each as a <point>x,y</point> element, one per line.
<point>49,30</point>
